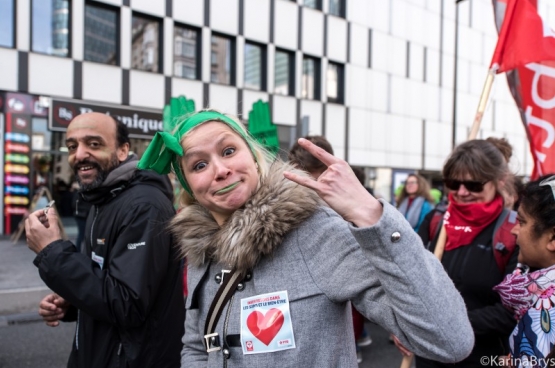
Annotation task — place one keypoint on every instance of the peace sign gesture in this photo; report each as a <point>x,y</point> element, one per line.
<point>340,189</point>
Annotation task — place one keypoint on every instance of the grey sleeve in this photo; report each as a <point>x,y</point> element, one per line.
<point>393,282</point>
<point>193,353</point>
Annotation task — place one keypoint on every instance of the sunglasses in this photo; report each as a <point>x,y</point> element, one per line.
<point>471,186</point>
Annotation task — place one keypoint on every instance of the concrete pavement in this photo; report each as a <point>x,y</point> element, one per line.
<point>21,287</point>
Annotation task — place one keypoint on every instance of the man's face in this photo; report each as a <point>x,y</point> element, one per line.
<point>92,146</point>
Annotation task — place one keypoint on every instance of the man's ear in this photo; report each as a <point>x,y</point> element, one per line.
<point>122,152</point>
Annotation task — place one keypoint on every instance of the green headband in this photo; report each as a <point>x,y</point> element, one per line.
<point>164,150</point>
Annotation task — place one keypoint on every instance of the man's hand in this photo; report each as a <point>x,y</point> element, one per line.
<point>42,229</point>
<point>52,309</point>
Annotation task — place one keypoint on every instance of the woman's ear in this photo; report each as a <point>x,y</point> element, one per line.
<point>551,242</point>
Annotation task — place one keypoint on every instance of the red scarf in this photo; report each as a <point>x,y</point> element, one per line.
<point>463,222</point>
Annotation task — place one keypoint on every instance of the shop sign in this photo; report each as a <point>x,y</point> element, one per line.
<point>141,123</point>
<point>19,103</point>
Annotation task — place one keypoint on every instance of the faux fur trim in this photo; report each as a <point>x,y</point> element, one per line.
<point>256,230</point>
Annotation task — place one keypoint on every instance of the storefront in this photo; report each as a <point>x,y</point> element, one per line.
<point>34,152</point>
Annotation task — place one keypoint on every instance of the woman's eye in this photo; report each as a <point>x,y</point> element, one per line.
<point>228,151</point>
<point>199,166</point>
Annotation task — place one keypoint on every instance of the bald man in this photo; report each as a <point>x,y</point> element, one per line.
<point>125,288</point>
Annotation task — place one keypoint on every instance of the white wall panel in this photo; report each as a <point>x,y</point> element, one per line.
<point>399,96</point>
<point>312,31</point>
<point>488,44</point>
<point>356,93</point>
<point>223,98</point>
<point>257,20</point>
<point>430,102</point>
<point>112,2</point>
<point>156,8</point>
<point>8,69</point>
<point>377,90</point>
<point>379,133</point>
<point>379,15</point>
<point>125,37</point>
<point>249,98</point>
<point>313,109</point>
<point>206,50</point>
<point>438,145</point>
<point>432,66</point>
<point>399,19</point>
<point>101,83</point>
<point>478,74</point>
<point>447,71</point>
<point>337,39</point>
<point>224,16</point>
<point>146,89</point>
<point>415,24</point>
<point>389,54</point>
<point>190,12</point>
<point>415,98</point>
<point>463,76</point>
<point>416,62</point>
<point>335,128</point>
<point>446,104</point>
<point>50,75</point>
<point>284,110</point>
<point>431,29</point>
<point>357,12</point>
<point>359,45</point>
<point>434,6</point>
<point>191,89</point>
<point>286,24</point>
<point>77,29</point>
<point>23,24</point>
<point>449,36</point>
<point>359,129</point>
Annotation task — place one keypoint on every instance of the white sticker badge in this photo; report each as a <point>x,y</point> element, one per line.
<point>266,323</point>
<point>98,259</point>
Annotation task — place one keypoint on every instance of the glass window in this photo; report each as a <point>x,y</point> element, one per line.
<point>314,4</point>
<point>253,66</point>
<point>186,46</point>
<point>50,24</point>
<point>334,82</point>
<point>220,65</point>
<point>310,82</point>
<point>337,8</point>
<point>283,77</point>
<point>101,34</point>
<point>145,44</point>
<point>7,21</point>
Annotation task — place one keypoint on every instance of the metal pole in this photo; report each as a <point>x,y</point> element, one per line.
<point>455,67</point>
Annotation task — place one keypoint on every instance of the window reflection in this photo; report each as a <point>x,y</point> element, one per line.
<point>253,66</point>
<point>220,60</point>
<point>50,27</point>
<point>314,4</point>
<point>6,20</point>
<point>101,34</point>
<point>308,83</point>
<point>185,59</point>
<point>283,70</point>
<point>145,47</point>
<point>334,82</point>
<point>336,8</point>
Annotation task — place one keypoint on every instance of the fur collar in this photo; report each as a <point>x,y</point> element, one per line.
<point>256,230</point>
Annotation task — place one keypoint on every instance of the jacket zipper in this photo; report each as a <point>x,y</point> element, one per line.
<point>92,226</point>
<point>77,330</point>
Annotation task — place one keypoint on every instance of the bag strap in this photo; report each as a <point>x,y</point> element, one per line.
<point>230,280</point>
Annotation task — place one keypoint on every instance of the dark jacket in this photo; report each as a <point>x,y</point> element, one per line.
<point>127,286</point>
<point>81,208</point>
<point>475,272</point>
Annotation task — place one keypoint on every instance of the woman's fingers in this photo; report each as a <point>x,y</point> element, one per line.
<point>302,180</point>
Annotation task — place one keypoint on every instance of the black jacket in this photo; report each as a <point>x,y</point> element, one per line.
<point>127,286</point>
<point>475,272</point>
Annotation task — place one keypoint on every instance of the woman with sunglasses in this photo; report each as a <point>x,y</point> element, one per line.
<point>528,291</point>
<point>415,200</point>
<point>475,176</point>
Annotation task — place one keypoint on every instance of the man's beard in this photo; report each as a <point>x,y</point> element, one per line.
<point>101,172</point>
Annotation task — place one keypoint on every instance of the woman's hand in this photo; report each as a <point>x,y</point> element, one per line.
<point>340,189</point>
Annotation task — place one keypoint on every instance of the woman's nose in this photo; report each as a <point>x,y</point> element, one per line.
<point>462,191</point>
<point>222,171</point>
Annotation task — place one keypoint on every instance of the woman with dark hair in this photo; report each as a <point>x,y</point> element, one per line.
<point>302,159</point>
<point>529,291</point>
<point>477,252</point>
<point>415,200</point>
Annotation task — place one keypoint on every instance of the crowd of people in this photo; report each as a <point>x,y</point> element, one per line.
<point>286,260</point>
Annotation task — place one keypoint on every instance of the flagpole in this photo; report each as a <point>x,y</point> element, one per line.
<point>483,103</point>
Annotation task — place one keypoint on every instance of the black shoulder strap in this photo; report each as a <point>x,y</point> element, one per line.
<point>230,280</point>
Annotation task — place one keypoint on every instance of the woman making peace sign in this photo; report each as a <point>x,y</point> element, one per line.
<point>275,257</point>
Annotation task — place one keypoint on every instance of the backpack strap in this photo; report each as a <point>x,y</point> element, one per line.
<point>435,224</point>
<point>504,243</point>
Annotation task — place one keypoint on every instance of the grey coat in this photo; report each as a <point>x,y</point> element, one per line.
<point>323,263</point>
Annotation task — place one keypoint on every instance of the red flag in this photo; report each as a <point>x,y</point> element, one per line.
<point>524,37</point>
<point>532,81</point>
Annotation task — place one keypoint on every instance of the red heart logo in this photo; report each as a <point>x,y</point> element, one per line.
<point>265,327</point>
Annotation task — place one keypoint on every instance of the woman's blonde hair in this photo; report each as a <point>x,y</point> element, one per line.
<point>261,155</point>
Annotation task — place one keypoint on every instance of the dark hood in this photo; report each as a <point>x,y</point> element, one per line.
<point>125,176</point>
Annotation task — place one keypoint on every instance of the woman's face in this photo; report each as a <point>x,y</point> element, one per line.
<point>219,168</point>
<point>463,195</point>
<point>533,249</point>
<point>411,185</point>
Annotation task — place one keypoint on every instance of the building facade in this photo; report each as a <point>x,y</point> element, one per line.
<point>376,77</point>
